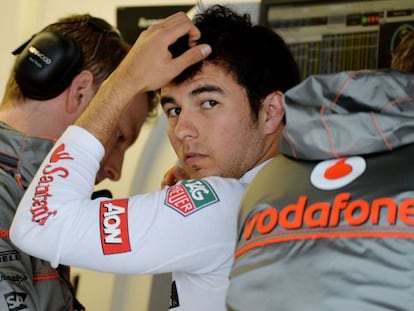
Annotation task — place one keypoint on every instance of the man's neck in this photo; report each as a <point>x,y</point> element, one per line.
<point>33,119</point>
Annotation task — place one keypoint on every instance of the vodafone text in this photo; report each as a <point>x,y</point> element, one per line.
<point>324,214</point>
<point>40,210</point>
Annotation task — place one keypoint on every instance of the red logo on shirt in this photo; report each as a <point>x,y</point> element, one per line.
<point>337,173</point>
<point>4,234</point>
<point>114,226</point>
<point>40,209</point>
<point>190,196</point>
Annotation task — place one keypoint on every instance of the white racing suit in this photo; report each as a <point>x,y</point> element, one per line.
<point>329,224</point>
<point>188,229</point>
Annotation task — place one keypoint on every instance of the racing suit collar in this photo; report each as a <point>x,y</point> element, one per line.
<point>21,155</point>
<point>248,176</point>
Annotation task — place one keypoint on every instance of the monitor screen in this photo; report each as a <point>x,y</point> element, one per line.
<point>331,36</point>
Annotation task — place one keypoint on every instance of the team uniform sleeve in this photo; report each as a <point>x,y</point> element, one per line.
<point>188,227</point>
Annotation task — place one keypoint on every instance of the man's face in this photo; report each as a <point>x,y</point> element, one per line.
<point>128,130</point>
<point>210,125</point>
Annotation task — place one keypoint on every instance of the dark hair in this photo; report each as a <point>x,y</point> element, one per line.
<point>257,56</point>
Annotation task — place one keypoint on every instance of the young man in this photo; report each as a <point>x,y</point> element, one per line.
<point>55,76</point>
<point>224,119</point>
<point>328,224</point>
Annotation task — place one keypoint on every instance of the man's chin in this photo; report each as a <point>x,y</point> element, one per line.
<point>200,173</point>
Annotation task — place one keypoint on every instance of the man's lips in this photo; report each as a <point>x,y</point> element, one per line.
<point>192,158</point>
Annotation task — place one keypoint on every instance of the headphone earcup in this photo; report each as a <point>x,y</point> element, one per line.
<point>47,65</point>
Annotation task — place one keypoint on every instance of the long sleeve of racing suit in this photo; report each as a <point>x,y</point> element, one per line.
<point>190,227</point>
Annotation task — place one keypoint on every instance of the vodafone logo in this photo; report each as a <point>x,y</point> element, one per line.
<point>337,173</point>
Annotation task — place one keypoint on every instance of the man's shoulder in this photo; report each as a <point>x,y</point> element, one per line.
<point>227,189</point>
<point>226,182</point>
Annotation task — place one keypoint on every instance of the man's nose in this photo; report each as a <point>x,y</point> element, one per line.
<point>185,127</point>
<point>111,169</point>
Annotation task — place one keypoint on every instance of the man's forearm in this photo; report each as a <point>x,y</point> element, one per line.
<point>148,66</point>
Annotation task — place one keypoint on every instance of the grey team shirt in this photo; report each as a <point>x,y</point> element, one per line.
<point>329,225</point>
<point>188,229</point>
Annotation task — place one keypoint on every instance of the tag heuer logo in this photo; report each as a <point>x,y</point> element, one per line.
<point>190,196</point>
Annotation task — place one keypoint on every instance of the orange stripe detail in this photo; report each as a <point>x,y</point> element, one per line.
<point>347,81</point>
<point>19,180</point>
<point>331,107</point>
<point>292,147</point>
<point>244,249</point>
<point>380,132</point>
<point>46,277</point>
<point>328,133</point>
<point>396,102</point>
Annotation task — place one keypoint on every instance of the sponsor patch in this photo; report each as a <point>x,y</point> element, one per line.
<point>114,226</point>
<point>190,196</point>
<point>340,217</point>
<point>9,256</point>
<point>337,173</point>
<point>16,278</point>
<point>15,301</point>
<point>40,201</point>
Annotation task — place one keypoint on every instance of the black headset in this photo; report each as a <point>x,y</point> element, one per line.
<point>47,63</point>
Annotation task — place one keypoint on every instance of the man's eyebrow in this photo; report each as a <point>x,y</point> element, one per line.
<point>207,89</point>
<point>197,91</point>
<point>166,99</point>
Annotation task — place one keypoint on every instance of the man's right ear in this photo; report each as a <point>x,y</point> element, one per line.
<point>81,91</point>
<point>274,111</point>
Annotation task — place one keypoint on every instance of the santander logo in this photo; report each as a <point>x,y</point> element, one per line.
<point>337,173</point>
<point>40,201</point>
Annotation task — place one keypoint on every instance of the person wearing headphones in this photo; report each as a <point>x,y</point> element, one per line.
<point>56,74</point>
